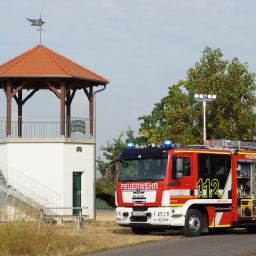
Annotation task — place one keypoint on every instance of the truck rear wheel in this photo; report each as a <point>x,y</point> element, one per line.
<point>141,231</point>
<point>193,223</point>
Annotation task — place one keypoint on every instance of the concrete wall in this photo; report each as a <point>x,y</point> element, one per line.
<point>3,154</point>
<point>42,162</point>
<point>81,162</point>
<point>52,164</point>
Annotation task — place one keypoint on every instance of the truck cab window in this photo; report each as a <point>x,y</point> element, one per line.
<point>221,165</point>
<point>214,166</point>
<point>204,165</point>
<point>180,167</point>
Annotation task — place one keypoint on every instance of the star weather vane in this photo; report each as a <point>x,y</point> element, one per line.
<point>38,23</point>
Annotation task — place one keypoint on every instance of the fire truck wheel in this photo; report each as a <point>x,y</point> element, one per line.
<point>141,231</point>
<point>193,223</point>
<point>251,229</point>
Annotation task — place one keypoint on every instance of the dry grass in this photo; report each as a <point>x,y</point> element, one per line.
<point>108,235</point>
<point>105,215</point>
<point>24,238</point>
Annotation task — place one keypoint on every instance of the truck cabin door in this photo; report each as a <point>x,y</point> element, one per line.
<point>181,174</point>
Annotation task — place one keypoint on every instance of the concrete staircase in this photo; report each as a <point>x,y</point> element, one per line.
<point>7,191</point>
<point>11,192</point>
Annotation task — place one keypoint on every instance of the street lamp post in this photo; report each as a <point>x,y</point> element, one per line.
<point>201,97</point>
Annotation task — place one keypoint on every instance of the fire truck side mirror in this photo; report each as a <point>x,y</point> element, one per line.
<point>179,168</point>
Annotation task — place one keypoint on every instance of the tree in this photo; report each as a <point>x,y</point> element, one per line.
<point>105,186</point>
<point>178,117</point>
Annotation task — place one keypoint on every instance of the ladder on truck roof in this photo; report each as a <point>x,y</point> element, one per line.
<point>230,144</point>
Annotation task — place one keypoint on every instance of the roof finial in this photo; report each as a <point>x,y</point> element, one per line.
<point>39,23</point>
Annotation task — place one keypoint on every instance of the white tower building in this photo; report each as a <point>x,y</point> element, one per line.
<point>49,163</point>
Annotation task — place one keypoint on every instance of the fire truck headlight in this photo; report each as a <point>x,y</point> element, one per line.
<point>163,214</point>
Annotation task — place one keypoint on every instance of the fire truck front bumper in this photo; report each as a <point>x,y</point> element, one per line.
<point>151,216</point>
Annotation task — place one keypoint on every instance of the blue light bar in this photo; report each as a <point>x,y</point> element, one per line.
<point>167,143</point>
<point>130,145</point>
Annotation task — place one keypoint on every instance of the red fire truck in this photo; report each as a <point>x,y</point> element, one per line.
<point>192,188</point>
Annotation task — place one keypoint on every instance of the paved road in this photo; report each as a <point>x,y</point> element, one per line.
<point>232,243</point>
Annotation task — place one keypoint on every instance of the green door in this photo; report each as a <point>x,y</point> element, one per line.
<point>76,191</point>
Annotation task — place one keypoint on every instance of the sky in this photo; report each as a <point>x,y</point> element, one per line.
<point>141,46</point>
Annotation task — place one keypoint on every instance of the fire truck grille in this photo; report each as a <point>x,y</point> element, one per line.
<point>138,218</point>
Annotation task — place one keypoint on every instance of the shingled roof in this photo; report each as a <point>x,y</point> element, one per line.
<point>41,61</point>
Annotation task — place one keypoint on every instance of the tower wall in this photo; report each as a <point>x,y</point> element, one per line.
<point>51,163</point>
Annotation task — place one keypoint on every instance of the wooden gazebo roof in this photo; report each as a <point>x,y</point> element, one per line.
<point>42,62</point>
<point>42,68</point>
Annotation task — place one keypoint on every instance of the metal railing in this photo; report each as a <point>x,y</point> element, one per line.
<point>39,194</point>
<point>223,143</point>
<point>75,127</point>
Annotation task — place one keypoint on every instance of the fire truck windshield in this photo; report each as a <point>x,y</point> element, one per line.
<point>141,170</point>
<point>142,165</point>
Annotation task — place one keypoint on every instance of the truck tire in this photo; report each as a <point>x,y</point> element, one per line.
<point>141,231</point>
<point>193,223</point>
<point>251,229</point>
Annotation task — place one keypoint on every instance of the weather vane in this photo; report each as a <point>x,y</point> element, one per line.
<point>38,23</point>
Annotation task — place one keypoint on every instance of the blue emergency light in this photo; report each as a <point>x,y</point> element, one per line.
<point>130,145</point>
<point>167,143</point>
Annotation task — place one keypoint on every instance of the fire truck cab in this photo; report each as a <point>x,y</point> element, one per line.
<point>192,188</point>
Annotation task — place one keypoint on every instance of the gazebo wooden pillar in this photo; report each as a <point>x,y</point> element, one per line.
<point>19,103</point>
<point>8,108</point>
<point>62,108</point>
<point>68,113</point>
<point>43,69</point>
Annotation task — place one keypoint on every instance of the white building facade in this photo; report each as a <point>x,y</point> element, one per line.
<point>45,171</point>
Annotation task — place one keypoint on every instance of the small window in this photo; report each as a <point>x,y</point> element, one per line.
<point>79,149</point>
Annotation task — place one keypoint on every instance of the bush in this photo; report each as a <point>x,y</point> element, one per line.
<point>105,190</point>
